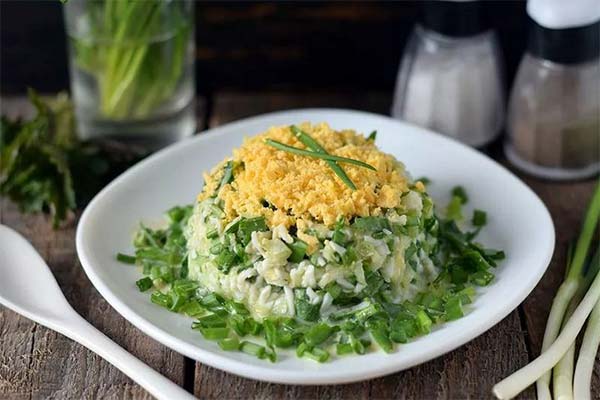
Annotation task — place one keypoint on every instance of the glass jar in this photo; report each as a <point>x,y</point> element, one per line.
<point>554,119</point>
<point>450,79</point>
<point>132,69</point>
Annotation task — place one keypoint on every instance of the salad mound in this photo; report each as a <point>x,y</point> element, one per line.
<point>315,239</point>
<point>283,229</point>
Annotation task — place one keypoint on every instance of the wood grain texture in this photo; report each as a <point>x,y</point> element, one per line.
<point>231,106</point>
<point>37,363</point>
<point>468,372</point>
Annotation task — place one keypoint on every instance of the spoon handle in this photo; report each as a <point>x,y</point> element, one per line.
<point>81,331</point>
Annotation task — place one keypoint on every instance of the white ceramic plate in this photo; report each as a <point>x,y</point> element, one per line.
<point>518,223</point>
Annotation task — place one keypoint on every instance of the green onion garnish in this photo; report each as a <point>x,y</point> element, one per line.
<point>460,192</point>
<point>372,136</point>
<point>317,354</point>
<point>229,344</point>
<point>314,146</point>
<point>144,284</point>
<point>315,154</point>
<point>298,248</point>
<point>343,348</point>
<point>253,349</point>
<point>214,333</point>
<point>124,258</point>
<point>479,218</point>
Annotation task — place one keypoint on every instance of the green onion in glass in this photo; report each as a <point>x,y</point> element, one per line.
<point>131,65</point>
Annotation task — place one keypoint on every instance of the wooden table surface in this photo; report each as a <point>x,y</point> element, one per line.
<point>38,363</point>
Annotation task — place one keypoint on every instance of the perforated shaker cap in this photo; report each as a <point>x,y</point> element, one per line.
<point>564,31</point>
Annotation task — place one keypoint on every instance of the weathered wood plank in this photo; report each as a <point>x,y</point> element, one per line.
<point>567,203</point>
<point>38,363</point>
<point>468,372</point>
<point>229,107</point>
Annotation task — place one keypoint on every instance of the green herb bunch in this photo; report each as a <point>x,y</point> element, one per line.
<point>136,50</point>
<point>45,167</point>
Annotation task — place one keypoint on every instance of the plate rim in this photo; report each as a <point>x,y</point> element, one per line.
<point>240,368</point>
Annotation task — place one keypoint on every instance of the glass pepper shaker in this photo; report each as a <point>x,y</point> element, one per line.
<point>450,79</point>
<point>554,109</point>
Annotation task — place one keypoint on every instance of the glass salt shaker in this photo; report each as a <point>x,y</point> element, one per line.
<point>554,109</point>
<point>450,79</point>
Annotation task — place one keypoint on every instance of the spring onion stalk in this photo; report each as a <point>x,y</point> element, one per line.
<point>314,146</point>
<point>136,50</point>
<point>568,288</point>
<point>517,382</point>
<point>562,377</point>
<point>314,154</point>
<point>587,356</point>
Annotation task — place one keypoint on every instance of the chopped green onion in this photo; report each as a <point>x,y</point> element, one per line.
<point>304,309</point>
<point>315,154</point>
<point>211,321</point>
<point>124,258</point>
<point>424,322</point>
<point>317,354</point>
<point>214,333</point>
<point>372,224</point>
<point>248,225</point>
<point>253,349</point>
<point>460,192</point>
<point>314,146</point>
<point>161,299</point>
<point>301,349</point>
<point>318,334</point>
<point>144,284</point>
<point>372,136</point>
<point>454,209</point>
<point>227,174</point>
<point>176,214</point>
<point>479,218</point>
<point>380,335</point>
<point>481,278</point>
<point>298,248</point>
<point>343,348</point>
<point>192,309</point>
<point>357,345</point>
<point>453,308</point>
<point>229,344</point>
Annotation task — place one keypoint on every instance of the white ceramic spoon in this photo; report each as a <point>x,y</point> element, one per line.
<point>28,287</point>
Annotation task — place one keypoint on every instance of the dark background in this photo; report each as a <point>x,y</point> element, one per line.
<point>303,46</point>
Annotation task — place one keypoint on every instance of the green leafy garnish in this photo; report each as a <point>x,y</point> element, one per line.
<point>459,191</point>
<point>315,154</point>
<point>312,144</point>
<point>479,218</point>
<point>44,167</point>
<point>454,209</point>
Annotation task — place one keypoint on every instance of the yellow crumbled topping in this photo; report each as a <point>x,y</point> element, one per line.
<point>288,189</point>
